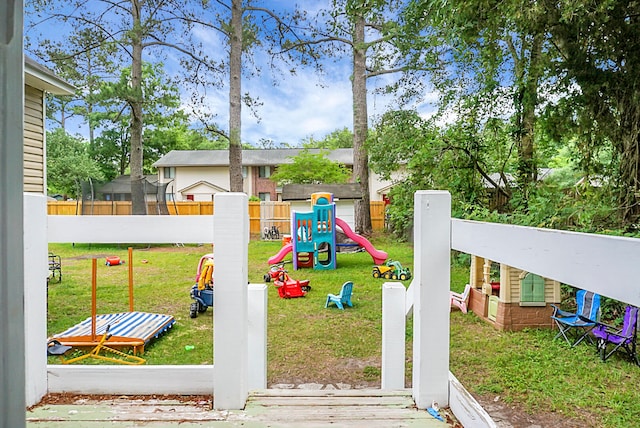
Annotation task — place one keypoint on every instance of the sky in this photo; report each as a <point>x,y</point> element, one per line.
<point>292,108</point>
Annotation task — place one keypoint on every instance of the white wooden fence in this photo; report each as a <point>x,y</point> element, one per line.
<point>603,264</point>
<point>606,265</point>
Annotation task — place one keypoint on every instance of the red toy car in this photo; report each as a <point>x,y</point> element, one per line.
<point>287,286</point>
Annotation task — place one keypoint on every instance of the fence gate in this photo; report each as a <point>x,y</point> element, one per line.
<point>274,220</point>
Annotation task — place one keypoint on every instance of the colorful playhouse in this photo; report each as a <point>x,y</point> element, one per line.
<point>510,298</point>
<point>313,240</point>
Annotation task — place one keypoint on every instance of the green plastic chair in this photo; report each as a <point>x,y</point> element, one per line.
<point>344,298</point>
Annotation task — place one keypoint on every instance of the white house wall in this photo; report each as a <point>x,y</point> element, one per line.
<point>186,176</point>
<point>376,183</point>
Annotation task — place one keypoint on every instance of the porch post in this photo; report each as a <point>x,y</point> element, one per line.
<point>230,324</point>
<point>35,289</point>
<point>257,346</point>
<point>393,335</point>
<point>432,243</point>
<point>12,333</point>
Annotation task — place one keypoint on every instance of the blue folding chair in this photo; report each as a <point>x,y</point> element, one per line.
<point>623,338</point>
<point>344,298</point>
<point>575,327</point>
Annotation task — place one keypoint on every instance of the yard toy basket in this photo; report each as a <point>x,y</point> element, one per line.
<point>202,290</point>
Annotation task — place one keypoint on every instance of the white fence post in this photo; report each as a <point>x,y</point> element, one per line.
<point>257,346</point>
<point>432,242</point>
<point>35,302</point>
<point>393,335</point>
<point>230,324</point>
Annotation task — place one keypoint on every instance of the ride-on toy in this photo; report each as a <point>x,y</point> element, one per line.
<point>391,270</point>
<point>287,286</point>
<point>202,290</point>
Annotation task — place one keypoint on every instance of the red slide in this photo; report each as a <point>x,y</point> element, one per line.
<point>277,258</point>
<point>378,256</point>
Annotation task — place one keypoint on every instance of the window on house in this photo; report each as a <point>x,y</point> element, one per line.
<point>264,196</point>
<point>532,289</point>
<point>169,172</point>
<point>264,171</point>
<point>245,172</point>
<point>189,197</point>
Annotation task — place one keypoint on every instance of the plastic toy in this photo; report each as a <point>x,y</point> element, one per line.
<point>313,242</point>
<point>113,261</point>
<point>391,270</point>
<point>287,286</point>
<point>202,290</point>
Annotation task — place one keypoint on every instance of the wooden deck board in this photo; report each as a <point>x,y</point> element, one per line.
<point>269,408</point>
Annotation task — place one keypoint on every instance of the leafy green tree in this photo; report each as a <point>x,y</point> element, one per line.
<point>164,128</point>
<point>338,139</point>
<point>86,61</point>
<point>493,55</point>
<point>364,31</point>
<point>599,52</point>
<point>245,27</point>
<point>417,154</point>
<point>311,168</point>
<point>135,27</point>
<point>68,163</point>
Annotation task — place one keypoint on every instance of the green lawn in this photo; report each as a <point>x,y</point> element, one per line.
<point>307,343</point>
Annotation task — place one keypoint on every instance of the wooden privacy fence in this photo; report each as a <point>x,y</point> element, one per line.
<point>278,216</point>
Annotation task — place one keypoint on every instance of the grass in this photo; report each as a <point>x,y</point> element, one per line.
<point>529,370</point>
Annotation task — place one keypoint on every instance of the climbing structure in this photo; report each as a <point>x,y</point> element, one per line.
<point>314,234</point>
<point>313,240</point>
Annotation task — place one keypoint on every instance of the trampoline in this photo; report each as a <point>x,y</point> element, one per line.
<point>126,329</point>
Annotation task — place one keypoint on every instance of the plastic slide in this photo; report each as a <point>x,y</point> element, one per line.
<point>277,258</point>
<point>378,256</point>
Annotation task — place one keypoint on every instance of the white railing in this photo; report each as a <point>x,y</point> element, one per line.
<point>603,264</point>
<point>231,377</point>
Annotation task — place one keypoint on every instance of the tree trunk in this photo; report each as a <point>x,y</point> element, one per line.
<point>360,128</point>
<point>629,148</point>
<point>235,98</point>
<point>138,203</point>
<point>528,101</point>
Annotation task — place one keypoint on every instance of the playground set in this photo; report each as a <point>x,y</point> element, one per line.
<point>122,330</point>
<point>313,240</point>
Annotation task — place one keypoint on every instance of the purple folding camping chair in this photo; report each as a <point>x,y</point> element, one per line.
<point>623,338</point>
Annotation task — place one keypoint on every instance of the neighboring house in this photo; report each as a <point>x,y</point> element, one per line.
<point>197,175</point>
<point>38,80</point>
<point>119,189</point>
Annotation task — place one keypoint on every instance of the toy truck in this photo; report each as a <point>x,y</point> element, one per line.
<point>391,270</point>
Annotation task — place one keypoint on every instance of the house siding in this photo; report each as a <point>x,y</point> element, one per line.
<point>34,148</point>
<point>186,176</point>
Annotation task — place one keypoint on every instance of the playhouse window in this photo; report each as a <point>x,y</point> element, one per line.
<point>532,289</point>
